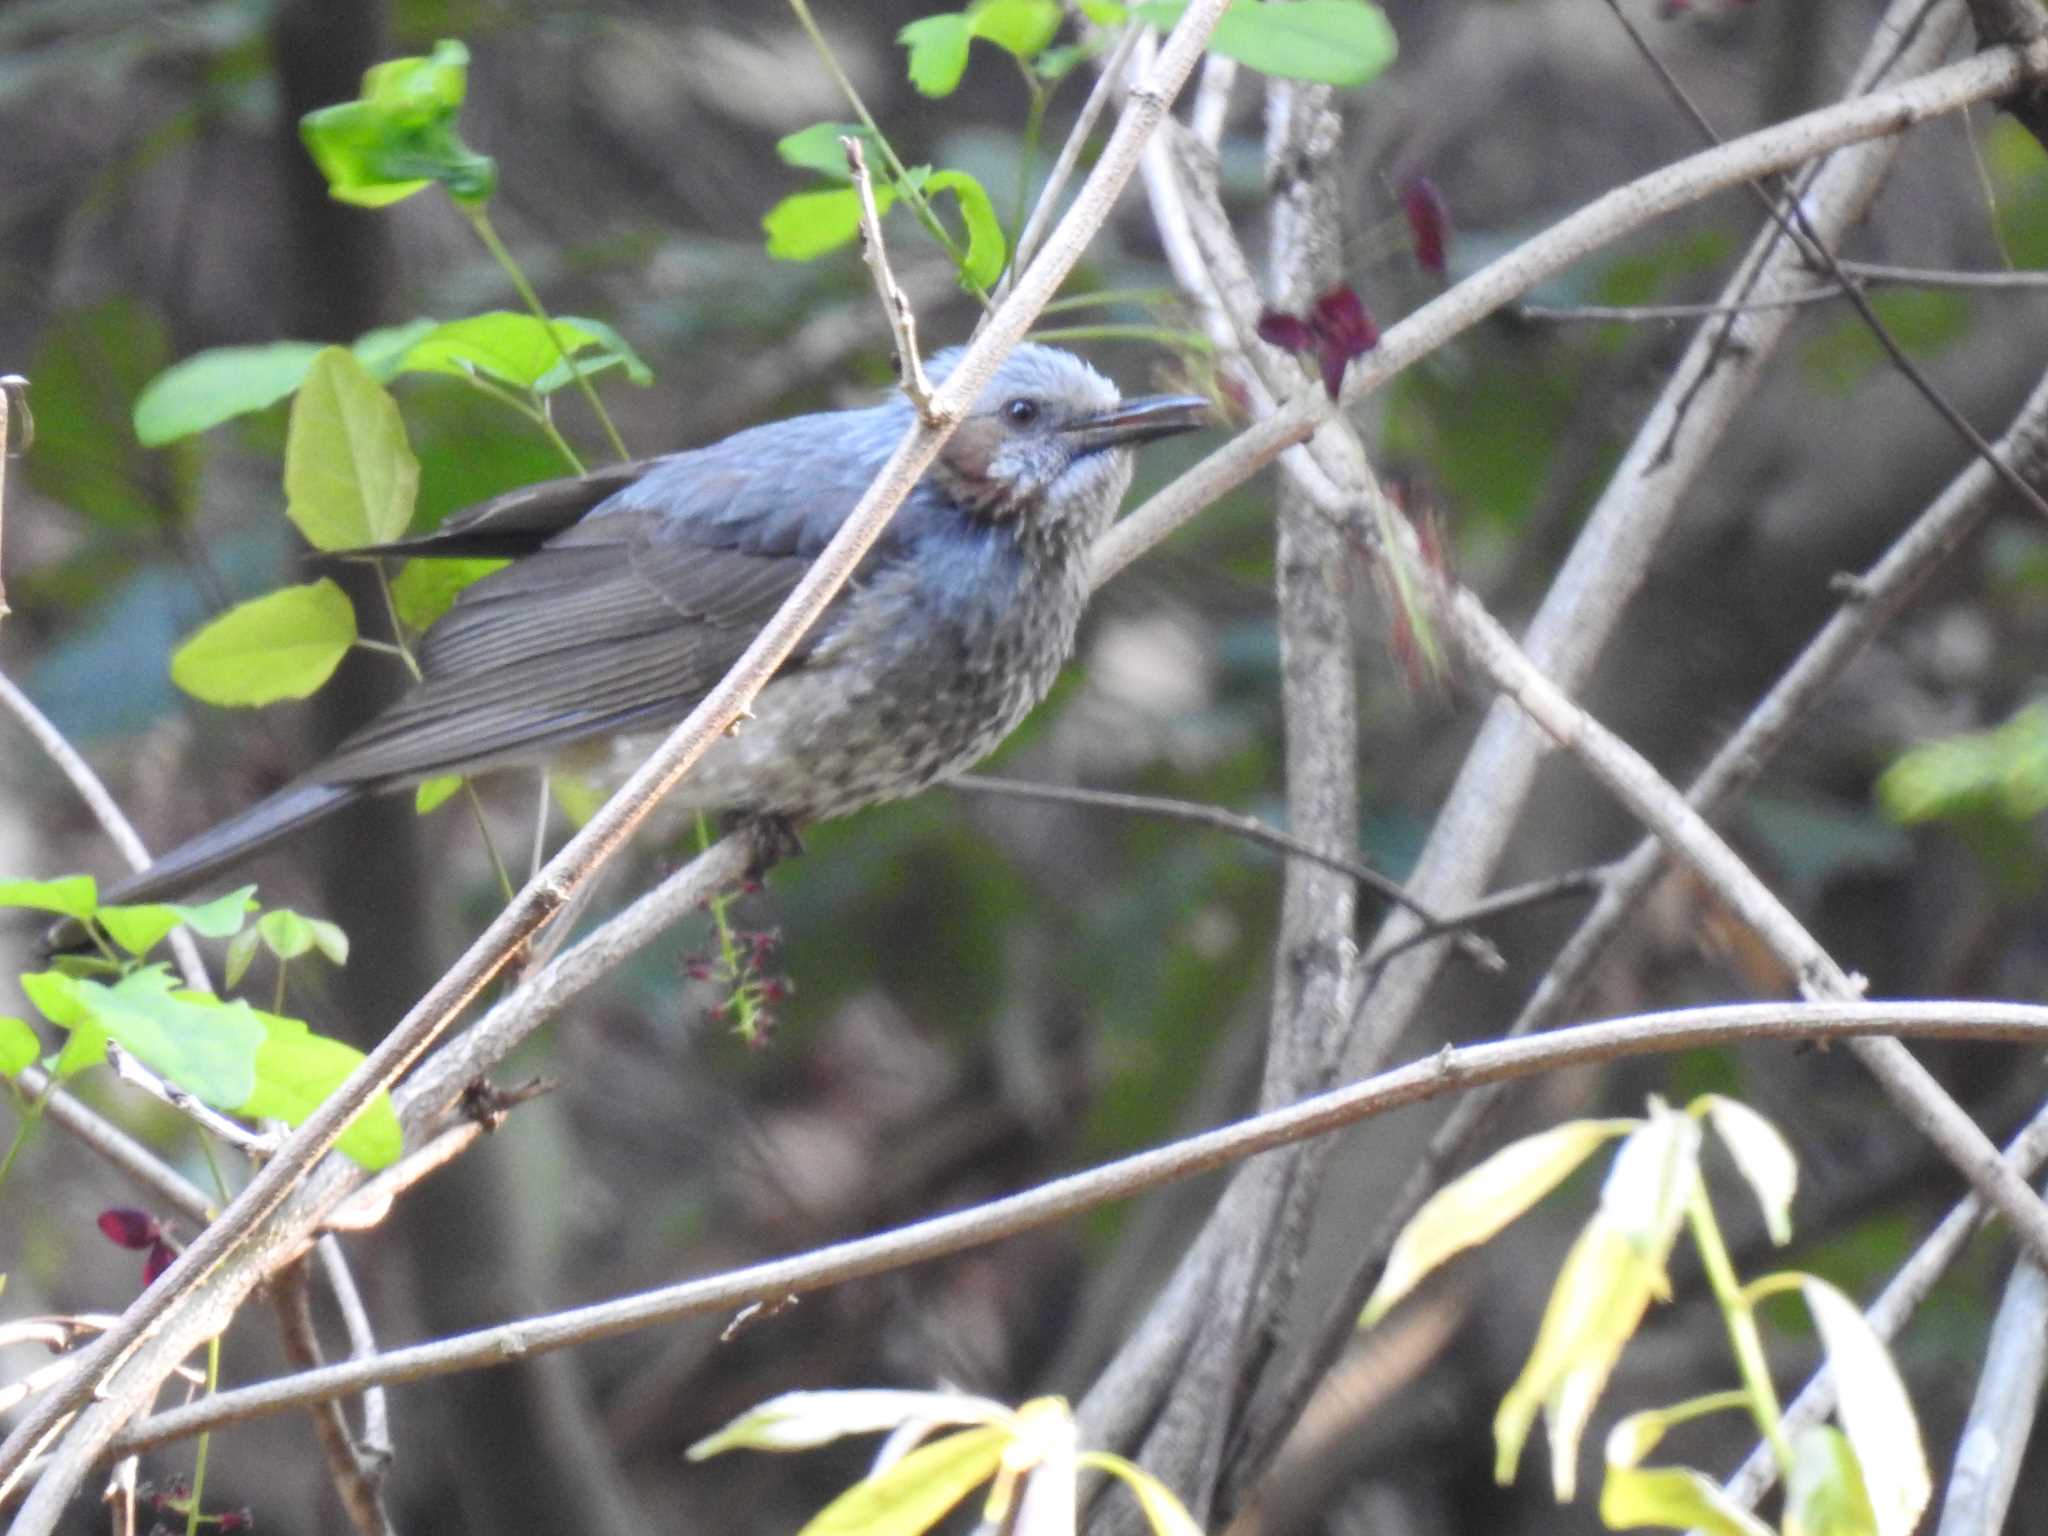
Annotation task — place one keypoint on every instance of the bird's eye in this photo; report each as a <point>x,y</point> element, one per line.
<point>1020,412</point>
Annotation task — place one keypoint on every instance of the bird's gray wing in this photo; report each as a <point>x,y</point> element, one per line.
<point>624,620</point>
<point>520,521</point>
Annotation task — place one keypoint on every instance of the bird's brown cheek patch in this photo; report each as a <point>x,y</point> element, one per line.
<point>965,462</point>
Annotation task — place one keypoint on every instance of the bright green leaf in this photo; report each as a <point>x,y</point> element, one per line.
<point>295,1072</point>
<point>1474,1206</point>
<point>218,385</point>
<point>1105,13</point>
<point>1163,1511</point>
<point>612,351</point>
<point>330,939</point>
<point>2004,769</point>
<point>1332,42</point>
<point>986,248</point>
<point>1824,1492</point>
<point>1058,63</point>
<point>912,1495</point>
<point>817,148</point>
<point>807,225</point>
<point>192,1039</point>
<point>72,896</point>
<point>425,589</point>
<point>511,347</point>
<point>433,793</point>
<point>399,135</point>
<point>1874,1409</point>
<point>1672,1498</point>
<point>285,933</point>
<point>938,52</point>
<point>241,955</point>
<point>1019,27</point>
<point>19,1046</point>
<point>1761,1155</point>
<point>350,477</point>
<point>140,927</point>
<point>799,1421</point>
<point>282,645</point>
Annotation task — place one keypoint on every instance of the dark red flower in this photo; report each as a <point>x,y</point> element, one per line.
<point>1337,328</point>
<point>126,1227</point>
<point>1429,222</point>
<point>161,1255</point>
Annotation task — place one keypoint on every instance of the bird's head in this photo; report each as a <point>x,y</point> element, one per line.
<point>1048,442</point>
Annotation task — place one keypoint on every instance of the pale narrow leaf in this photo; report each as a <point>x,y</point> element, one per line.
<point>915,1494</point>
<point>1874,1410</point>
<point>1163,1511</point>
<point>1763,1158</point>
<point>1652,1180</point>
<point>797,1421</point>
<point>1824,1492</point>
<point>1477,1204</point>
<point>1672,1498</point>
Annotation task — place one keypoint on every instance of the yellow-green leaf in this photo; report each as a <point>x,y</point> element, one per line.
<point>938,52</point>
<point>1824,1491</point>
<point>19,1045</point>
<point>1874,1409</point>
<point>1163,1511</point>
<point>282,645</point>
<point>986,248</point>
<point>1651,1183</point>
<point>798,1421</point>
<point>915,1493</point>
<point>1672,1498</point>
<point>72,896</point>
<point>1477,1204</point>
<point>433,793</point>
<point>295,1072</point>
<point>807,225</point>
<point>350,477</point>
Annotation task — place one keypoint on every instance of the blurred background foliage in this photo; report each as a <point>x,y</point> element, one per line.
<point>989,991</point>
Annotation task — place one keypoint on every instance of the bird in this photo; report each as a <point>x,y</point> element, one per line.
<point>632,589</point>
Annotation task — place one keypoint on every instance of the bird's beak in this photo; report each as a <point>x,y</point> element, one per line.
<point>1138,421</point>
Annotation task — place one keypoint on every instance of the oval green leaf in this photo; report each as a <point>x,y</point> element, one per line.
<point>218,385</point>
<point>986,248</point>
<point>282,645</point>
<point>72,896</point>
<point>1330,42</point>
<point>350,478</point>
<point>938,52</point>
<point>807,225</point>
<point>1875,1411</point>
<point>19,1046</point>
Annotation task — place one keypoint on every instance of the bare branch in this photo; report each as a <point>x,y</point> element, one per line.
<point>902,319</point>
<point>1450,1070</point>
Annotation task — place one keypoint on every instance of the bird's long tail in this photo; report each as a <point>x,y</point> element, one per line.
<point>267,821</point>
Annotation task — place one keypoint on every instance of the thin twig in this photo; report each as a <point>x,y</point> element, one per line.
<point>1070,155</point>
<point>1449,1070</point>
<point>896,310</point>
<point>358,1479</point>
<point>9,384</point>
<point>1250,828</point>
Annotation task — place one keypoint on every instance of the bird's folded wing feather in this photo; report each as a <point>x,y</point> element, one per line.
<point>520,521</point>
<point>625,620</point>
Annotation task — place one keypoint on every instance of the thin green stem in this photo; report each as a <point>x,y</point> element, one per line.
<point>745,1006</point>
<point>277,991</point>
<point>220,1182</point>
<point>899,176</point>
<point>397,641</point>
<point>20,1140</point>
<point>1104,297</point>
<point>1748,1344</point>
<point>480,221</point>
<point>491,389</point>
<point>1164,335</point>
<point>205,1440</point>
<point>1034,124</point>
<point>476,810</point>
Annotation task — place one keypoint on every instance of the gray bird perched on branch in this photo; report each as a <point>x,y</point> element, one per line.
<point>633,589</point>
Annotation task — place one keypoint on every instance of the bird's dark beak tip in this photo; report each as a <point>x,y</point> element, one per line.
<point>1146,418</point>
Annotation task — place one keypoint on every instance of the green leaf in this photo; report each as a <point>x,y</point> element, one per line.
<point>613,351</point>
<point>433,793</point>
<point>1332,42</point>
<point>807,225</point>
<point>140,927</point>
<point>73,896</point>
<point>914,1493</point>
<point>1105,13</point>
<point>1651,1183</point>
<point>89,370</point>
<point>505,345</point>
<point>399,135</point>
<point>986,248</point>
<point>285,933</point>
<point>19,1046</point>
<point>218,385</point>
<point>427,587</point>
<point>192,1039</point>
<point>938,52</point>
<point>2003,770</point>
<point>295,1072</point>
<point>282,645</point>
<point>1874,1409</point>
<point>800,1421</point>
<point>817,148</point>
<point>579,797</point>
<point>1761,1155</point>
<point>1824,1492</point>
<point>1673,1498</point>
<point>350,477</point>
<point>1019,27</point>
<point>1477,1204</point>
<point>241,955</point>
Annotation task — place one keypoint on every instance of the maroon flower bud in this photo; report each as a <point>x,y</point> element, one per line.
<point>161,1254</point>
<point>1429,222</point>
